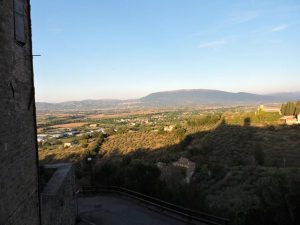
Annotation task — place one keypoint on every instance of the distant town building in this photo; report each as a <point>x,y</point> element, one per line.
<point>290,120</point>
<point>94,125</point>
<point>169,128</point>
<point>101,130</point>
<point>58,135</point>
<point>41,137</point>
<point>71,133</point>
<point>270,108</point>
<point>67,145</point>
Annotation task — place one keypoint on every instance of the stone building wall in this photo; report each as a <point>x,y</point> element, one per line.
<point>19,204</point>
<point>58,198</point>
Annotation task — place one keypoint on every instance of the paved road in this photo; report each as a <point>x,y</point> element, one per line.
<point>117,210</point>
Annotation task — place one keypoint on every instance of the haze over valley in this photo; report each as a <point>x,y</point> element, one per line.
<point>177,98</point>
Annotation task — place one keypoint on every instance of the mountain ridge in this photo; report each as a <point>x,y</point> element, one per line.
<point>173,98</point>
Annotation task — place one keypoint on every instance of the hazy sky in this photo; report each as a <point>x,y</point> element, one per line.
<point>95,49</point>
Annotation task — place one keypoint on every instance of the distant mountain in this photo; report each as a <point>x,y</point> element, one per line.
<point>79,105</point>
<point>191,97</point>
<point>205,97</point>
<point>291,96</point>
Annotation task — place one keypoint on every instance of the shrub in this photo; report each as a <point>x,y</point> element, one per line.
<point>259,155</point>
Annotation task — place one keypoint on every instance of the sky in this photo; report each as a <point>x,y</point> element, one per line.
<point>124,49</point>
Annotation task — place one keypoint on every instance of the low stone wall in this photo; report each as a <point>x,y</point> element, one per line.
<point>58,198</point>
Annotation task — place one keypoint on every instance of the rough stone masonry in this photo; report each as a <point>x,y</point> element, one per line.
<point>19,200</point>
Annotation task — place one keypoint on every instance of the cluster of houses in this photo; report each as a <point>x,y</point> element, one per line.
<point>288,120</point>
<point>291,120</point>
<point>45,137</point>
<point>41,138</point>
<point>152,119</point>
<point>134,121</point>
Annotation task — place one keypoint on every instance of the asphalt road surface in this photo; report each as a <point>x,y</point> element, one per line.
<point>118,210</point>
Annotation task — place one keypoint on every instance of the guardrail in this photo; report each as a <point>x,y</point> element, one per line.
<point>189,214</point>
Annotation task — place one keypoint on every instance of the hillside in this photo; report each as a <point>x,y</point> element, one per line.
<point>79,105</point>
<point>291,96</point>
<point>205,97</point>
<point>246,163</point>
<point>178,98</point>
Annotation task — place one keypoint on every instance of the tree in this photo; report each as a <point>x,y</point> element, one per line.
<point>273,192</point>
<point>283,109</point>
<point>108,173</point>
<point>144,178</point>
<point>290,109</point>
<point>297,108</point>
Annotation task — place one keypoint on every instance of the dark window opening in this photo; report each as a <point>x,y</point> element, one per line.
<point>19,21</point>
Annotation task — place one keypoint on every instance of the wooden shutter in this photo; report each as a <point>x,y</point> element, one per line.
<point>19,21</point>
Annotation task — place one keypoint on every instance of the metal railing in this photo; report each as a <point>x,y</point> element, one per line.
<point>189,214</point>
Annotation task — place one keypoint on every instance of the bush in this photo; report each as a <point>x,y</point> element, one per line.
<point>179,132</point>
<point>108,173</point>
<point>259,155</point>
<point>142,177</point>
<point>204,120</point>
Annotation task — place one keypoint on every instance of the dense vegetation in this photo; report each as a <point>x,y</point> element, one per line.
<point>290,108</point>
<point>247,165</point>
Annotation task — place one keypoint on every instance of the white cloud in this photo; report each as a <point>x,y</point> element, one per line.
<point>243,17</point>
<point>279,28</point>
<point>213,44</point>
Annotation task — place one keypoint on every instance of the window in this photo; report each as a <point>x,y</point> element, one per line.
<point>19,21</point>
